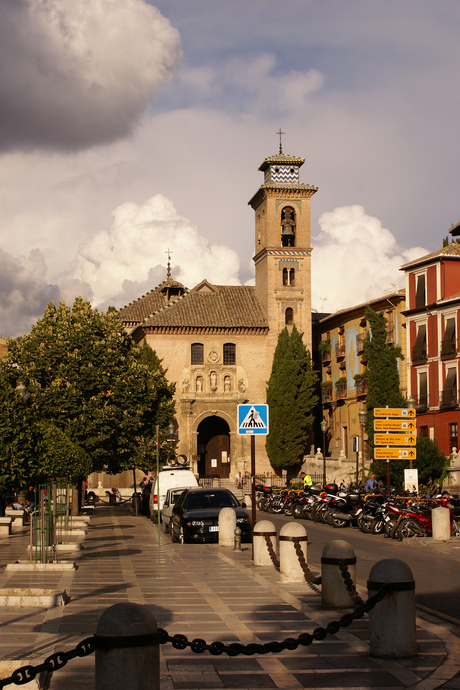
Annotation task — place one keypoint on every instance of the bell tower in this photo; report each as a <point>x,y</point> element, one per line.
<point>282,245</point>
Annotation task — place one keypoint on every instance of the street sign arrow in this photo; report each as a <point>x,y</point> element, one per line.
<point>394,412</point>
<point>394,439</point>
<point>394,425</point>
<point>395,453</point>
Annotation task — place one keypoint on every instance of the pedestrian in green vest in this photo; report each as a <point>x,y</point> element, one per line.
<point>306,479</point>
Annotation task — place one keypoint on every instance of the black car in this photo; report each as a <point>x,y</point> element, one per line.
<point>195,516</point>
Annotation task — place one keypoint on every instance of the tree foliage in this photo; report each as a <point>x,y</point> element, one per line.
<point>93,402</point>
<point>382,376</point>
<point>431,464</point>
<point>291,398</point>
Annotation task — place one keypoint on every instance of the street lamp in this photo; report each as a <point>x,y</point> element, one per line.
<point>323,429</point>
<point>171,440</point>
<point>22,390</point>
<point>362,414</point>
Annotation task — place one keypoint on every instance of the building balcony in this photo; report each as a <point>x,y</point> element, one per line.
<point>419,354</point>
<point>448,398</point>
<point>421,403</point>
<point>326,394</point>
<point>448,350</point>
<point>361,387</point>
<point>326,356</point>
<point>339,350</point>
<point>340,391</point>
<point>360,339</point>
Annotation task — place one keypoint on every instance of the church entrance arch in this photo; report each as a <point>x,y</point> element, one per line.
<point>214,448</point>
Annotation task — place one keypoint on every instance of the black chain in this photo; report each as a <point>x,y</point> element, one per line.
<point>312,581</point>
<point>58,660</point>
<point>351,589</point>
<point>216,648</point>
<point>271,551</point>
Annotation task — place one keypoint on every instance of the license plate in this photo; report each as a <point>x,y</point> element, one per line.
<point>214,528</point>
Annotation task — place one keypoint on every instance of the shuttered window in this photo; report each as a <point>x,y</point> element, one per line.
<point>419,349</point>
<point>448,341</point>
<point>423,389</point>
<point>420,298</point>
<point>449,393</point>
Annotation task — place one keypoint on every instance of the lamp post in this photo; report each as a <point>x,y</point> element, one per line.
<point>171,440</point>
<point>411,404</point>
<point>362,414</point>
<point>323,429</point>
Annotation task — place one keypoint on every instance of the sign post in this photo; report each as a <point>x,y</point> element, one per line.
<point>252,421</point>
<point>397,432</point>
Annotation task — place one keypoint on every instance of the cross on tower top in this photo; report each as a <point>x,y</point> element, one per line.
<point>168,273</point>
<point>280,133</point>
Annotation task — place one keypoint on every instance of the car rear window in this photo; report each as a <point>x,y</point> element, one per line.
<point>212,499</point>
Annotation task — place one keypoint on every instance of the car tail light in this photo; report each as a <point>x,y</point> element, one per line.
<point>155,499</point>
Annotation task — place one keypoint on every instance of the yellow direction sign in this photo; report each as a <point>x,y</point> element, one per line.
<point>394,439</point>
<point>395,453</point>
<point>394,425</point>
<point>394,412</point>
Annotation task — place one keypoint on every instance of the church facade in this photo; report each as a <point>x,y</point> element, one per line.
<point>217,342</point>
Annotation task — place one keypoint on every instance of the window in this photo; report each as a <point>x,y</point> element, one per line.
<point>423,389</point>
<point>229,354</point>
<point>288,227</point>
<point>449,392</point>
<point>289,316</point>
<point>453,432</point>
<point>424,431</point>
<point>197,353</point>
<point>419,349</point>
<point>420,298</point>
<point>448,341</point>
<point>288,276</point>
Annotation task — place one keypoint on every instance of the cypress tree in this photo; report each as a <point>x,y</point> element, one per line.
<point>383,386</point>
<point>291,399</point>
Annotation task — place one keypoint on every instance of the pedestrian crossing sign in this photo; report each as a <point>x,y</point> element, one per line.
<point>252,419</point>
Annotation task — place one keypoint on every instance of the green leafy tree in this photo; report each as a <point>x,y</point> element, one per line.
<point>431,464</point>
<point>291,399</point>
<point>93,404</point>
<point>383,386</point>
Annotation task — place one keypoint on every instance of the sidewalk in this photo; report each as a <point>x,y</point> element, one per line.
<point>213,593</point>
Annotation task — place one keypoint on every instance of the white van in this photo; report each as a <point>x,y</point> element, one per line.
<point>169,479</point>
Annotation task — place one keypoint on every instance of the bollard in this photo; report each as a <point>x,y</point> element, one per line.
<point>290,567</point>
<point>334,593</point>
<point>127,668</point>
<point>247,500</point>
<point>440,520</point>
<point>227,525</point>
<point>237,544</point>
<point>260,550</point>
<point>392,621</point>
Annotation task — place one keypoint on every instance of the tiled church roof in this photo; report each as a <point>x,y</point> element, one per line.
<point>206,306</point>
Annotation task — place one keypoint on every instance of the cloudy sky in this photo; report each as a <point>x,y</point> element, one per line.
<point>128,128</point>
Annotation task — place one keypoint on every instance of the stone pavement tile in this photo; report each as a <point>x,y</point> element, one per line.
<point>355,679</point>
<point>246,680</point>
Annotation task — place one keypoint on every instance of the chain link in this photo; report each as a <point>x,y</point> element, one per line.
<point>271,551</point>
<point>58,660</point>
<point>351,589</point>
<point>312,581</point>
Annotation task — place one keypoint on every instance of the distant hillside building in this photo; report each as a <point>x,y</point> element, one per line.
<point>217,342</point>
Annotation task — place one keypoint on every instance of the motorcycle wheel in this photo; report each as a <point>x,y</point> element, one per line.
<point>389,526</point>
<point>323,513</point>
<point>378,527</point>
<point>315,513</point>
<point>410,528</point>
<point>297,511</point>
<point>261,504</point>
<point>307,512</point>
<point>455,528</point>
<point>337,522</point>
<point>276,507</point>
<point>287,509</point>
<point>367,525</point>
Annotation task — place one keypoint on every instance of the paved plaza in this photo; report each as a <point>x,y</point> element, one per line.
<point>209,592</point>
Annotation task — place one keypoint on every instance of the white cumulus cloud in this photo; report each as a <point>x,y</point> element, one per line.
<point>355,259</point>
<point>118,265</point>
<point>75,74</point>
